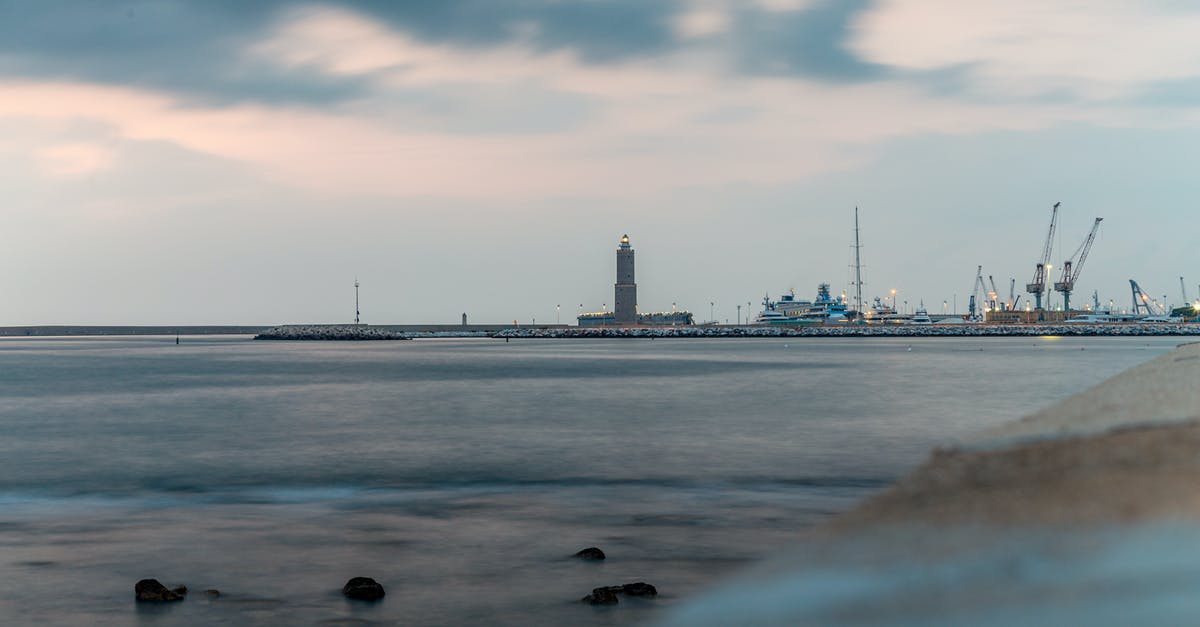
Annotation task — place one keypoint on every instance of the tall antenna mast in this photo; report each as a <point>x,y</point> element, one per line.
<point>355,301</point>
<point>857,267</point>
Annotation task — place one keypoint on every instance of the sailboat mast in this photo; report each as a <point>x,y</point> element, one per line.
<point>857,267</point>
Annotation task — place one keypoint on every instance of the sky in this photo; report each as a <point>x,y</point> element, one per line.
<point>224,162</point>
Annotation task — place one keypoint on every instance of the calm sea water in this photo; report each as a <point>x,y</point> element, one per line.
<point>462,474</point>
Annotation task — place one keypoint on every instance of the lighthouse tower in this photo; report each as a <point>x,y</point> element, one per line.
<point>625,300</point>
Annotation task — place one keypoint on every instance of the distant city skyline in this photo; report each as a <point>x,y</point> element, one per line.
<point>195,162</point>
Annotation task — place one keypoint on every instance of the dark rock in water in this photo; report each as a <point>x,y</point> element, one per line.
<point>636,589</point>
<point>212,594</point>
<point>601,596</point>
<point>151,591</point>
<point>363,589</point>
<point>590,553</point>
<point>180,590</point>
<point>639,589</point>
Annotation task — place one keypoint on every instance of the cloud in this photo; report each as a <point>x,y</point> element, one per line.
<point>191,48</point>
<point>507,121</point>
<point>701,22</point>
<point>806,40</point>
<point>1090,50</point>
<point>186,47</point>
<point>73,160</point>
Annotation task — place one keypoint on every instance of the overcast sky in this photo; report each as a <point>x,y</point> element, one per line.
<point>221,161</point>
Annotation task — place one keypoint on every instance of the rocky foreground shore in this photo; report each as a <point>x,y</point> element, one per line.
<point>936,330</point>
<point>329,332</point>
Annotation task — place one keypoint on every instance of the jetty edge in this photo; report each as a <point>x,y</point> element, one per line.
<point>329,332</point>
<point>1084,513</point>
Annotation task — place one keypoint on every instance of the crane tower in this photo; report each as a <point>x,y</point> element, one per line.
<point>1072,267</point>
<point>1038,284</point>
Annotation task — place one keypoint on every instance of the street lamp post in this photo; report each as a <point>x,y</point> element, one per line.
<point>710,311</point>
<point>558,314</point>
<point>739,317</point>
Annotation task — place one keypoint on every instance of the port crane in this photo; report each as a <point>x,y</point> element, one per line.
<point>1072,268</point>
<point>993,295</point>
<point>1143,303</point>
<point>979,288</point>
<point>1038,285</point>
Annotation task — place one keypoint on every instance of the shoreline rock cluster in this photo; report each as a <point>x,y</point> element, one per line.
<point>329,332</point>
<point>607,595</point>
<point>367,589</point>
<point>956,330</point>
<point>153,591</point>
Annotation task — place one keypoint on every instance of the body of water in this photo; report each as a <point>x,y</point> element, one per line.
<point>462,474</point>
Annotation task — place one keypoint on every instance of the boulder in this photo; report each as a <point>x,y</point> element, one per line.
<point>590,553</point>
<point>639,589</point>
<point>151,591</point>
<point>363,589</point>
<point>601,596</point>
<point>636,589</point>
<point>212,594</point>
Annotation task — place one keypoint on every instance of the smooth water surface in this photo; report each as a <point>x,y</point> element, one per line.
<point>462,474</point>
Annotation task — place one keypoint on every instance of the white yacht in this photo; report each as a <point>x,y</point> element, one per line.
<point>921,316</point>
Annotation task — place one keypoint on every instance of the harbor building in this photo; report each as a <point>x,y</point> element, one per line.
<point>625,297</point>
<point>625,308</point>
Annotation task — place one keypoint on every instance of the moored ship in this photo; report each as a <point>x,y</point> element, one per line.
<point>788,310</point>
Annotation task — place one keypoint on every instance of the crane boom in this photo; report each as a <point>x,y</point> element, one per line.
<point>1142,302</point>
<point>1038,285</point>
<point>1072,268</point>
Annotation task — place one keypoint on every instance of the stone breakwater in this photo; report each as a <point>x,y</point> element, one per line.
<point>329,332</point>
<point>957,330</point>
